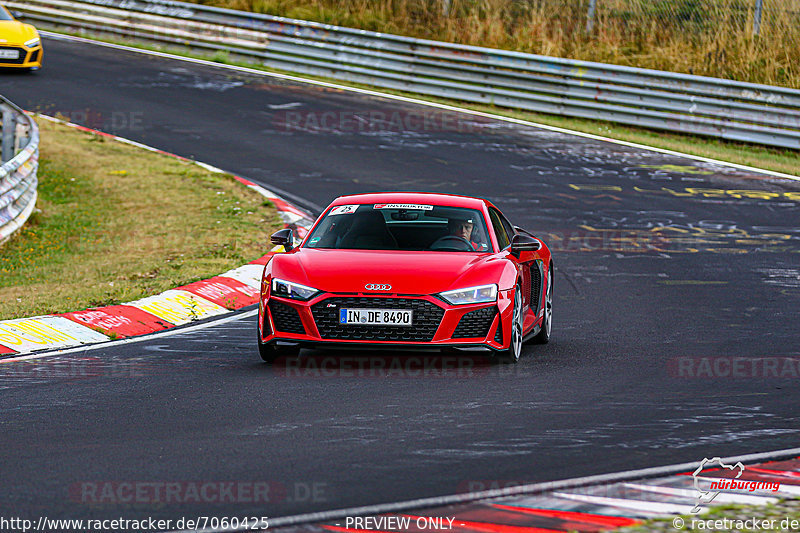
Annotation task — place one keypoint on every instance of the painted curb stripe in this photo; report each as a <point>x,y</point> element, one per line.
<point>120,320</point>
<point>572,516</point>
<point>489,527</point>
<point>249,274</point>
<point>652,508</point>
<point>226,292</point>
<point>45,332</point>
<point>777,473</point>
<point>262,260</point>
<point>178,306</point>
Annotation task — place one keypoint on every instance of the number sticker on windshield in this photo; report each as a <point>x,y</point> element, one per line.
<point>343,210</point>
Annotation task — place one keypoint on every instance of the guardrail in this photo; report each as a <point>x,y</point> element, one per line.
<point>669,101</point>
<point>20,161</point>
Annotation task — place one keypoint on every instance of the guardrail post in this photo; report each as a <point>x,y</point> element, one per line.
<point>590,16</point>
<point>757,17</point>
<point>7,151</point>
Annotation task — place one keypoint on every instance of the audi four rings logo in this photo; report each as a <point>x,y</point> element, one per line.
<point>377,287</point>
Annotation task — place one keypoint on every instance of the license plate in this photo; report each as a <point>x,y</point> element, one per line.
<point>375,317</point>
<point>9,54</point>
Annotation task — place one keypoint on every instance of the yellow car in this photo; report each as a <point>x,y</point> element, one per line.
<point>20,45</point>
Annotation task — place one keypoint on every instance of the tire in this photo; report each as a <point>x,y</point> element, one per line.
<point>270,352</point>
<point>543,337</point>
<point>512,354</point>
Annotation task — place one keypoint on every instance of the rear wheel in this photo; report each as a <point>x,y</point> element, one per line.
<point>543,337</point>
<point>512,354</point>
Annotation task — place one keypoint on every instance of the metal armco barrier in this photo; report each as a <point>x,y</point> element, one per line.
<point>20,161</point>
<point>669,101</point>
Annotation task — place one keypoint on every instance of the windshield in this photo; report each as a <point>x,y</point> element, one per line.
<point>401,227</point>
<point>4,14</point>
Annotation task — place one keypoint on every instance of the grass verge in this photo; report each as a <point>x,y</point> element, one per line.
<point>775,159</point>
<point>115,223</point>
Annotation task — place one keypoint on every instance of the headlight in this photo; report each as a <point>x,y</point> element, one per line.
<point>32,43</point>
<point>471,295</point>
<point>287,289</point>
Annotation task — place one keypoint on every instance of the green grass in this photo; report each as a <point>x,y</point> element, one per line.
<point>115,223</point>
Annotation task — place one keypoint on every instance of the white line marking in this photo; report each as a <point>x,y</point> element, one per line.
<point>140,338</point>
<point>419,102</point>
<point>534,488</point>
<point>653,508</point>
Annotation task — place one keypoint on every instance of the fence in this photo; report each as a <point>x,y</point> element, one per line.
<point>693,15</point>
<point>20,161</point>
<point>676,102</point>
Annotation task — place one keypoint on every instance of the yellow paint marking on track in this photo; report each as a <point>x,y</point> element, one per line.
<point>683,169</point>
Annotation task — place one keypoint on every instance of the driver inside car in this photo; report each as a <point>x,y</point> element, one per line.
<point>462,228</point>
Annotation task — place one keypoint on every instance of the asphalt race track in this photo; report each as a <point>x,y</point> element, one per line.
<point>677,298</point>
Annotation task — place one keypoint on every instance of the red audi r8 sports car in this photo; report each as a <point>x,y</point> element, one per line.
<point>407,270</point>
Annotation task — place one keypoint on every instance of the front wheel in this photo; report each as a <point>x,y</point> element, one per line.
<point>270,352</point>
<point>543,337</point>
<point>511,355</point>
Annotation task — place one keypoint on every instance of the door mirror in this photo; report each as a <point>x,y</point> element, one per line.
<point>283,238</point>
<point>17,14</point>
<point>524,243</point>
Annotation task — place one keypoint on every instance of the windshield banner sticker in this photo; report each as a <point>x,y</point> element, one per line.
<point>405,206</point>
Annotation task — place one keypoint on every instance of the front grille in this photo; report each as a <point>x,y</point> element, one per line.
<point>20,58</point>
<point>536,287</point>
<point>475,323</point>
<point>426,319</point>
<point>285,318</point>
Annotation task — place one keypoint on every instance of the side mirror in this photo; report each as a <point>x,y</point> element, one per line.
<point>18,14</point>
<point>283,238</point>
<point>524,243</point>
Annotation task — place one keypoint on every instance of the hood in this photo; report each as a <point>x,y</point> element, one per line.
<point>15,32</point>
<point>406,272</point>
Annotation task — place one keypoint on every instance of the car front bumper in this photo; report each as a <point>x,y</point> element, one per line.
<point>26,57</point>
<point>435,323</point>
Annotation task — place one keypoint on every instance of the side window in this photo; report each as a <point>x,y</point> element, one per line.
<point>509,227</point>
<point>502,236</point>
